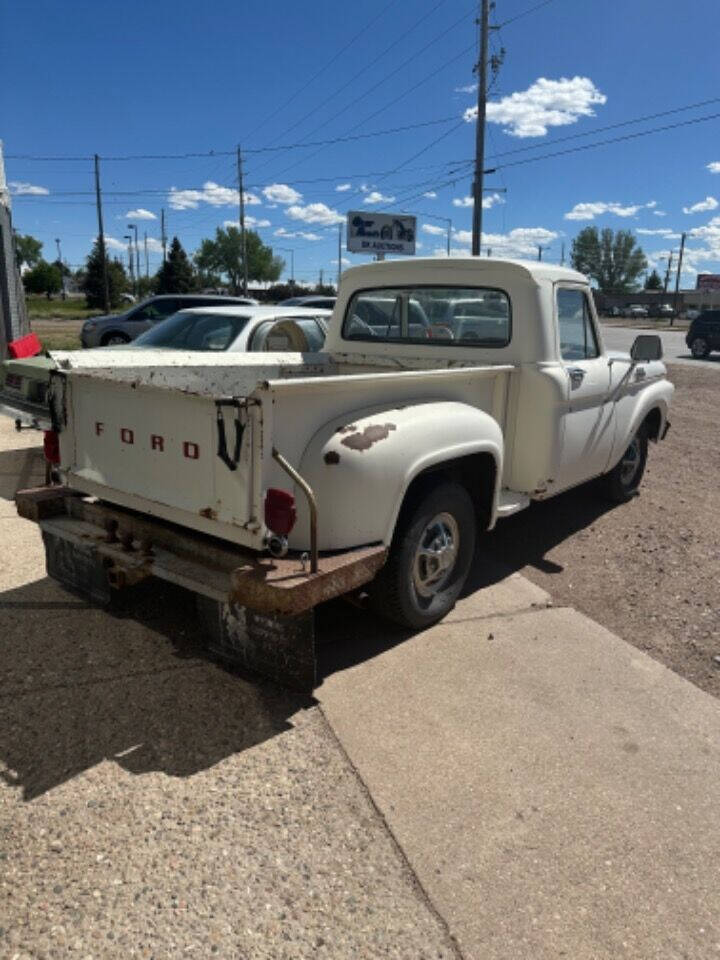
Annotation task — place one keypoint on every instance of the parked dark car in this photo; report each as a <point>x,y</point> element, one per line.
<point>317,301</point>
<point>124,327</point>
<point>704,334</point>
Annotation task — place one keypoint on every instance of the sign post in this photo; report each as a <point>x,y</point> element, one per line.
<point>380,233</point>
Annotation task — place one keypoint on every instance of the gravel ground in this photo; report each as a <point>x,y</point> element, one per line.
<point>648,570</point>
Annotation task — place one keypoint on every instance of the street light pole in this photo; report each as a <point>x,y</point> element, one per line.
<point>292,264</point>
<point>132,226</point>
<point>128,237</point>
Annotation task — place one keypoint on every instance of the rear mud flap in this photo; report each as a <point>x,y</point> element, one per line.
<point>77,568</point>
<point>277,647</point>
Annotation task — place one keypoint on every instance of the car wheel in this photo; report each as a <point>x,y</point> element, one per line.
<point>113,339</point>
<point>622,482</point>
<point>699,348</point>
<point>429,559</point>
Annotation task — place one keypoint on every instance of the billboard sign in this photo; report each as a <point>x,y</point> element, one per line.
<point>708,281</point>
<point>380,233</point>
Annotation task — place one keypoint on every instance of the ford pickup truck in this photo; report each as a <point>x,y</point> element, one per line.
<point>450,394</point>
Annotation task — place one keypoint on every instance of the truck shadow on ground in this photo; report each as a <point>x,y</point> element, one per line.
<point>81,686</point>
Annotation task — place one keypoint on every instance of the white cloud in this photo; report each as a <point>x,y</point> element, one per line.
<point>281,193</point>
<point>212,194</point>
<point>546,103</point>
<point>468,88</point>
<point>344,262</point>
<point>660,213</point>
<point>520,242</point>
<point>709,203</point>
<point>282,232</point>
<point>432,229</point>
<point>315,213</point>
<point>341,188</point>
<point>588,211</point>
<point>714,167</point>
<point>112,243</point>
<point>490,201</point>
<point>153,245</point>
<point>251,222</point>
<point>431,195</point>
<point>651,204</point>
<point>376,197</point>
<point>20,188</point>
<point>139,214</point>
<point>663,232</point>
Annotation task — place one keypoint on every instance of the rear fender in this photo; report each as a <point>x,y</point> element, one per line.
<point>360,466</point>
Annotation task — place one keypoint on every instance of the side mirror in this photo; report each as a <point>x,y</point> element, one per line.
<point>647,346</point>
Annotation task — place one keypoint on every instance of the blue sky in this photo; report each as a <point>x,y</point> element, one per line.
<point>162,78</point>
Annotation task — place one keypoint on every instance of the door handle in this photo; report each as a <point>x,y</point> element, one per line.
<point>577,375</point>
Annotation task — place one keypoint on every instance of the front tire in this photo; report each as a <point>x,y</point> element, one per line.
<point>429,559</point>
<point>114,339</point>
<point>699,348</point>
<point>623,481</point>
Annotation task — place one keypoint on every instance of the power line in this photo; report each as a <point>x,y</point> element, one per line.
<point>525,13</point>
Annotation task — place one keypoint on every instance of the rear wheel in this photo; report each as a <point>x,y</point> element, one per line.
<point>699,348</point>
<point>623,481</point>
<point>429,559</point>
<point>113,339</point>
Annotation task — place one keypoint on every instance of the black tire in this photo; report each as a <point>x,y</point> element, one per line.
<point>404,590</point>
<point>699,348</point>
<point>114,338</point>
<point>622,483</point>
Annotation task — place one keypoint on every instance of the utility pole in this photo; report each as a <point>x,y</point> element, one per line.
<point>147,262</point>
<point>339,269</point>
<point>667,273</point>
<point>163,238</point>
<point>677,279</point>
<point>480,128</point>
<point>489,251</point>
<point>242,221</point>
<point>562,254</point>
<point>101,238</point>
<point>133,227</point>
<point>60,265</point>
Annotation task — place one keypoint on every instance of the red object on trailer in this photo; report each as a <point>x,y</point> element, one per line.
<point>51,446</point>
<point>28,346</point>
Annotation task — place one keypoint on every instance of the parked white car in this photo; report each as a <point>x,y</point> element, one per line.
<point>636,310</point>
<point>372,465</point>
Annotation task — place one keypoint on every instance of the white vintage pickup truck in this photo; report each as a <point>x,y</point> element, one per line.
<point>451,394</point>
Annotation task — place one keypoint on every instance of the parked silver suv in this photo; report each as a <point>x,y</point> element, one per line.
<point>124,327</point>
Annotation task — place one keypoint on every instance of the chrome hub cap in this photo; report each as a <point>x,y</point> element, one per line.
<point>699,347</point>
<point>436,555</point>
<point>630,463</point>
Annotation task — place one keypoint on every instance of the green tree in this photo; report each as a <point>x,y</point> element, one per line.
<point>223,256</point>
<point>27,250</point>
<point>612,259</point>
<point>654,281</point>
<point>93,282</point>
<point>176,275</point>
<point>43,278</point>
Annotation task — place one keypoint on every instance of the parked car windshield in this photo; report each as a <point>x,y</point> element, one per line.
<point>473,316</point>
<point>194,331</point>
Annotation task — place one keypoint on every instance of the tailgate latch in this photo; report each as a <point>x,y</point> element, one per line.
<point>240,406</point>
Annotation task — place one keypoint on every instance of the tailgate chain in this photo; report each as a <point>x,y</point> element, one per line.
<point>240,406</point>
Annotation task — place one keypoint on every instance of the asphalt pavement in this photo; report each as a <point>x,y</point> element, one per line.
<point>515,782</point>
<point>675,349</point>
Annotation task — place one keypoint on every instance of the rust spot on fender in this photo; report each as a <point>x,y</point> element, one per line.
<point>348,428</point>
<point>370,435</point>
<point>208,513</point>
<point>332,457</point>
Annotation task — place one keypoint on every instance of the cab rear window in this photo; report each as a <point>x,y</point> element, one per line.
<point>434,316</point>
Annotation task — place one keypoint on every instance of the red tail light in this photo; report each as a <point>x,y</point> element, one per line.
<point>280,513</point>
<point>51,446</point>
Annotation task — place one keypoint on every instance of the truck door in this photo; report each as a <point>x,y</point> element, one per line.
<point>587,428</point>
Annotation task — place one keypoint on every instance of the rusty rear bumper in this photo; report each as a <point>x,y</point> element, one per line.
<point>131,547</point>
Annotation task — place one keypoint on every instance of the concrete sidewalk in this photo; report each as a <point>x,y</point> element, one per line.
<point>555,791</point>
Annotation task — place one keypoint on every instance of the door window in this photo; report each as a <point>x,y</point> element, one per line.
<point>156,310</point>
<point>575,327</point>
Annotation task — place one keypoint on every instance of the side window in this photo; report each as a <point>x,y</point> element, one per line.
<point>157,310</point>
<point>577,336</point>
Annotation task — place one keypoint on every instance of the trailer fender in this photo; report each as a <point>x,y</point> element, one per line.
<point>360,466</point>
